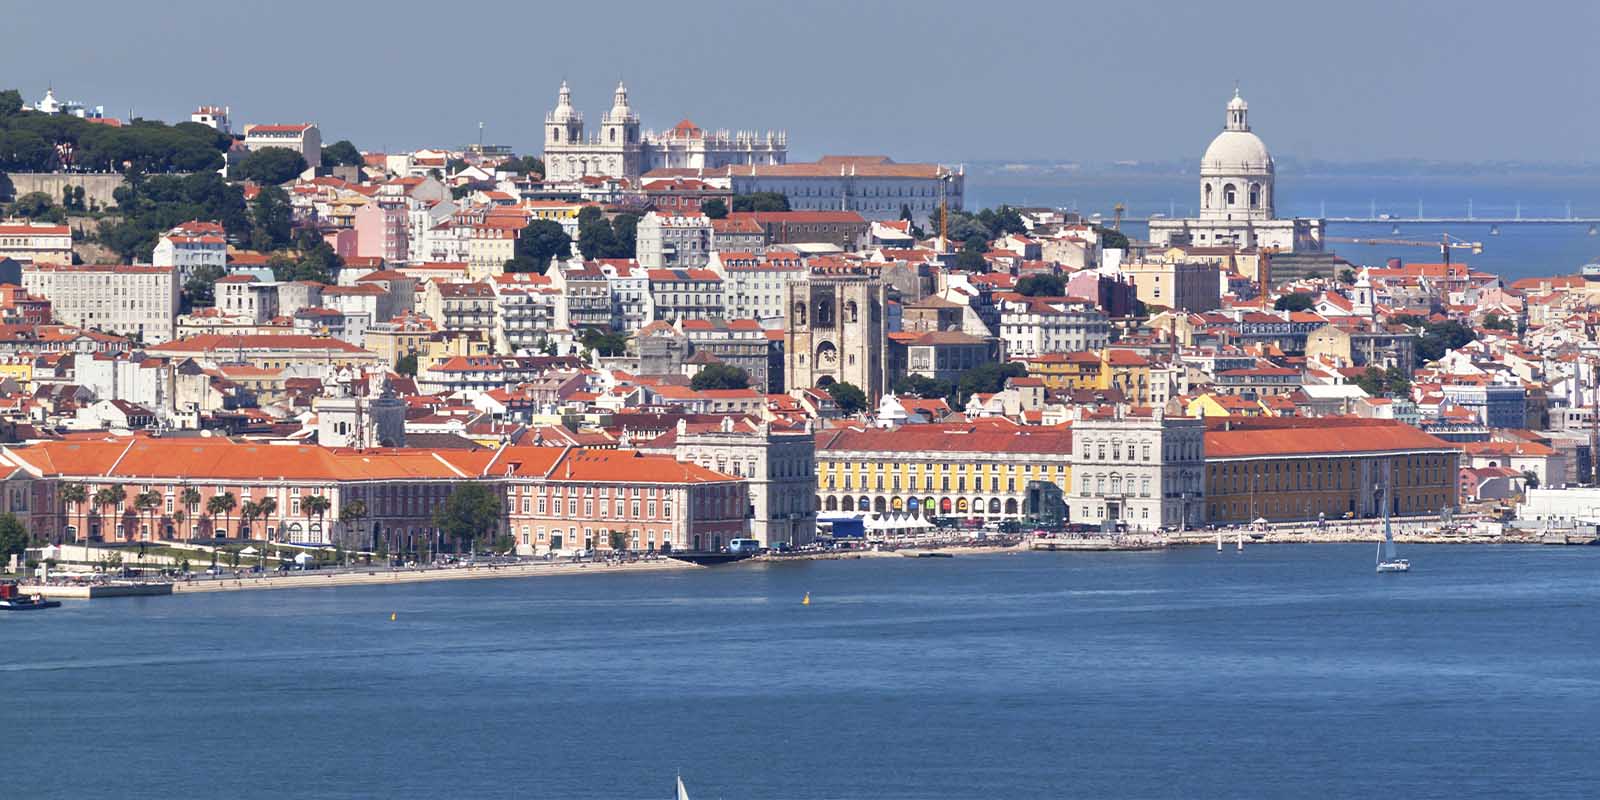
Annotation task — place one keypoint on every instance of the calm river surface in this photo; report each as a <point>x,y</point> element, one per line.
<point>1287,671</point>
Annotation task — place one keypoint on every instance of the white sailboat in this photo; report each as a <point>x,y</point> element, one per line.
<point>1388,561</point>
<point>683,794</point>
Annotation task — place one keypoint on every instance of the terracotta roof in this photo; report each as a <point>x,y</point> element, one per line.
<point>1318,436</point>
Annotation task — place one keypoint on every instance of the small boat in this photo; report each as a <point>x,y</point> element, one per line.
<point>683,794</point>
<point>706,558</point>
<point>13,600</point>
<point>1388,561</point>
<point>928,555</point>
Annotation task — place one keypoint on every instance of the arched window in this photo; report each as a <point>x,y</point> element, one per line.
<point>850,310</point>
<point>799,313</point>
<point>1255,195</point>
<point>1230,195</point>
<point>613,133</point>
<point>555,133</point>
<point>1207,199</point>
<point>824,312</point>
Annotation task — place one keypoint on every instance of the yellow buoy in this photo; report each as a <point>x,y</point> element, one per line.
<point>806,601</point>
<point>391,616</point>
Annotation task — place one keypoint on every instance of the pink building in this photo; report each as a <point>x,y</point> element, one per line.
<point>343,242</point>
<point>381,231</point>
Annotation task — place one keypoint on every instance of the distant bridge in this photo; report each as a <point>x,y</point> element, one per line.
<point>1466,220</point>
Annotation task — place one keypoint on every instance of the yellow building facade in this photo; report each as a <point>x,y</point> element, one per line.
<point>970,470</point>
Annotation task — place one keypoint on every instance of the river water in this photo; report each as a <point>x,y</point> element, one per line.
<point>1512,251</point>
<point>1281,671</point>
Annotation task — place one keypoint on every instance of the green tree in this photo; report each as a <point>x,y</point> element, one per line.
<point>7,188</point>
<point>971,259</point>
<point>1295,301</point>
<point>761,201</point>
<point>541,241</point>
<point>189,498</point>
<point>221,505</point>
<point>316,506</point>
<point>714,208</point>
<point>986,379</point>
<point>849,397</point>
<point>111,498</point>
<point>351,513</point>
<point>270,166</point>
<point>10,103</point>
<point>619,541</point>
<point>1001,221</point>
<point>1112,239</point>
<point>201,288</point>
<point>1439,338</point>
<point>472,510</point>
<point>1042,284</point>
<point>39,206</point>
<point>924,387</point>
<point>525,165</point>
<point>265,508</point>
<point>146,504</point>
<point>13,537</point>
<point>720,376</point>
<point>341,154</point>
<point>1496,322</point>
<point>406,365</point>
<point>77,497</point>
<point>271,218</point>
<point>1529,479</point>
<point>605,343</point>
<point>1347,276</point>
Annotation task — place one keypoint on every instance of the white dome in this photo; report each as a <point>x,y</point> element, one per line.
<point>1236,152</point>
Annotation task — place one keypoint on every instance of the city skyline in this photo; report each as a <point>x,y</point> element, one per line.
<point>1391,83</point>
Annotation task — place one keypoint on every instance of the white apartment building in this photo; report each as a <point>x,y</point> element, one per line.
<point>755,285</point>
<point>1033,326</point>
<point>245,296</point>
<point>41,242</point>
<point>304,138</point>
<point>674,241</point>
<point>1140,470</point>
<point>632,305</point>
<point>116,298</point>
<point>525,311</point>
<point>190,246</point>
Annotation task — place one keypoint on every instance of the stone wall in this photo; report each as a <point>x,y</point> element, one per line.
<point>97,186</point>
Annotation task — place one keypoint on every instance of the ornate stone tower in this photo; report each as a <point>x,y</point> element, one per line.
<point>563,133</point>
<point>836,330</point>
<point>619,136</point>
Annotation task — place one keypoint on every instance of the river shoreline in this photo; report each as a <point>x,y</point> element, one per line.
<point>323,579</point>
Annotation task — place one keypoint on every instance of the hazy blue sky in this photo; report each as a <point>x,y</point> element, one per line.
<point>1354,80</point>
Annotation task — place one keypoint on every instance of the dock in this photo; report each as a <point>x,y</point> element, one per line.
<point>96,591</point>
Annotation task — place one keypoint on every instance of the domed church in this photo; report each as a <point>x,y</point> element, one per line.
<point>1236,196</point>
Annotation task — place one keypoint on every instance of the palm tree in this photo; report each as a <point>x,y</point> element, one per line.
<point>75,495</point>
<point>221,505</point>
<point>317,506</point>
<point>112,497</point>
<point>247,518</point>
<point>265,508</point>
<point>147,503</point>
<point>352,513</point>
<point>190,498</point>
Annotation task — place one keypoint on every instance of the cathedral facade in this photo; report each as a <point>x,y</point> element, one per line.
<point>622,150</point>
